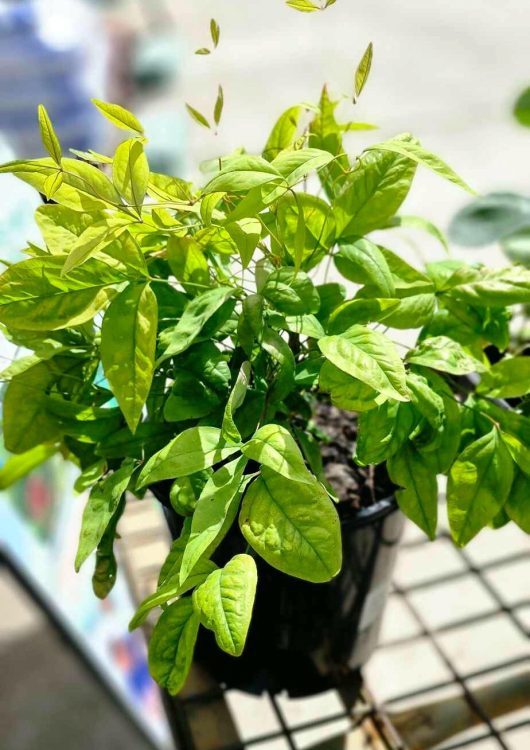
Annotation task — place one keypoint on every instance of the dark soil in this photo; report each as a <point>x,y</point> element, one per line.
<point>355,486</point>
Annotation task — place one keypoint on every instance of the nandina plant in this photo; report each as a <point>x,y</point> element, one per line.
<point>179,338</point>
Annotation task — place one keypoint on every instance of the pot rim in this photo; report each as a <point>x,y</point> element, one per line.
<point>372,513</point>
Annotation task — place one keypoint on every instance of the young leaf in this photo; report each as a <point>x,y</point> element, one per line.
<point>382,432</point>
<point>128,342</point>
<point>283,358</point>
<point>419,497</point>
<point>274,446</point>
<point>192,450</point>
<point>229,431</point>
<point>197,116</point>
<point>508,378</point>
<point>363,70</point>
<point>444,354</point>
<point>48,135</point>
<point>172,644</point>
<point>203,51</point>
<point>370,357</point>
<point>219,104</point>
<point>295,165</point>
<point>106,567</point>
<point>215,32</point>
<point>360,311</point>
<point>52,184</point>
<point>188,263</point>
<point>130,172</point>
<point>101,506</point>
<point>293,526</point>
<point>94,239</point>
<point>242,173</point>
<point>283,133</point>
<point>246,234</point>
<point>492,288</point>
<point>189,398</point>
<point>478,486</point>
<point>119,116</point>
<point>417,153</point>
<point>304,6</point>
<point>214,514</point>
<point>225,601</point>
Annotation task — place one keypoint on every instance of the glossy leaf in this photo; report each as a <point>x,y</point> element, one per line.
<point>347,392</point>
<point>518,505</point>
<point>283,133</point>
<point>119,116</point>
<point>192,450</point>
<point>370,357</point>
<point>241,173</point>
<point>478,486</point>
<point>444,354</point>
<point>283,359</point>
<point>291,292</point>
<point>274,446</point>
<point>172,644</point>
<point>130,172</point>
<point>508,378</point>
<point>101,506</point>
<point>214,514</point>
<point>382,432</point>
<point>363,70</point>
<point>364,263</point>
<point>17,467</point>
<point>48,135</point>
<point>419,497</point>
<point>293,526</point>
<point>237,395</point>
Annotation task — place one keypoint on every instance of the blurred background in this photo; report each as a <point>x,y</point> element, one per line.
<point>447,71</point>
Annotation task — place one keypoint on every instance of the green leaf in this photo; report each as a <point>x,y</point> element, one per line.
<point>197,116</point>
<point>360,311</point>
<point>197,313</point>
<point>246,233</point>
<point>363,70</point>
<point>215,32</point>
<point>521,108</point>
<point>412,150</point>
<point>281,353</point>
<point>51,185</point>
<point>102,504</point>
<point>119,116</point>
<point>48,135</point>
<point>171,589</point>
<point>294,166</point>
<point>106,567</point>
<point>441,454</point>
<point>214,514</point>
<point>229,431</point>
<point>444,354</point>
<point>518,505</point>
<point>26,421</point>
<point>370,357</point>
<point>293,526</point>
<point>304,6</point>
<point>203,51</point>
<point>90,475</point>
<point>305,228</point>
<point>291,292</point>
<point>382,432</point>
<point>478,486</point>
<point>419,497</point>
<point>192,450</point>
<point>188,263</point>
<point>219,104</point>
<point>189,398</point>
<point>171,567</point>
<point>185,492</point>
<point>495,288</point>
<point>372,193</point>
<point>274,446</point>
<point>490,218</point>
<point>429,403</point>
<point>283,133</point>
<point>364,263</point>
<point>241,173</point>
<point>17,467</point>
<point>418,222</point>
<point>61,227</point>
<point>95,238</point>
<point>172,644</point>
<point>130,172</point>
<point>128,342</point>
<point>225,601</point>
<point>508,378</point>
<point>347,392</point>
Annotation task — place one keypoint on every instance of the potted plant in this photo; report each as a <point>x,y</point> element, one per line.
<point>183,340</point>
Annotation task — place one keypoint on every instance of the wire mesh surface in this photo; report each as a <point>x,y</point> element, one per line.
<point>456,620</point>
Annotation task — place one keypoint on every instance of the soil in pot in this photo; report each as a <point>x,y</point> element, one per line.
<point>305,637</point>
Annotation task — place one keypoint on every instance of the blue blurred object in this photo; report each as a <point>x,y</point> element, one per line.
<point>32,71</point>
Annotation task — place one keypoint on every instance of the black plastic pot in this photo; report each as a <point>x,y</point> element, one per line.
<point>305,637</point>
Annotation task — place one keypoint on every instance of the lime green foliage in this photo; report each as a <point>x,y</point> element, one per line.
<point>181,334</point>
